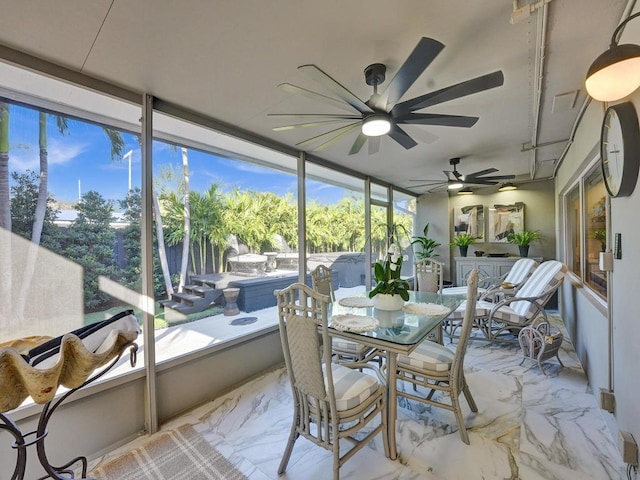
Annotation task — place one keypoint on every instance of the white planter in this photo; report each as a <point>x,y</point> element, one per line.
<point>385,301</point>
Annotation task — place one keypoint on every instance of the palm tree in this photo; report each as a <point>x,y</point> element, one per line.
<point>187,221</point>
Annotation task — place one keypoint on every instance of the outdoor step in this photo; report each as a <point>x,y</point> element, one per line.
<point>185,298</point>
<point>180,307</point>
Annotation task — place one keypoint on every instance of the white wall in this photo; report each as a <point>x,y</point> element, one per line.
<point>539,204</point>
<point>588,322</point>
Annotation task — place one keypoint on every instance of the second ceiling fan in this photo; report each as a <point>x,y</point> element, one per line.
<point>456,180</point>
<point>383,113</point>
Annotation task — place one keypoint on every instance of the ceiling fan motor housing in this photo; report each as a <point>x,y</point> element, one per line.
<point>374,74</point>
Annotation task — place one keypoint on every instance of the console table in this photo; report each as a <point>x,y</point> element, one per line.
<point>492,267</point>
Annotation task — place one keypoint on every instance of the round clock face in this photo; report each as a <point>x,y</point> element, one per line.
<point>620,149</point>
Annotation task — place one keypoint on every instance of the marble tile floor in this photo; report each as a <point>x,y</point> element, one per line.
<point>529,426</point>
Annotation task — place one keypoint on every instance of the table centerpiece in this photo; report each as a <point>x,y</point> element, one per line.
<point>390,291</point>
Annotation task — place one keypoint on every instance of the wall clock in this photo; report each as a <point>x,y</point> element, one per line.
<point>620,149</point>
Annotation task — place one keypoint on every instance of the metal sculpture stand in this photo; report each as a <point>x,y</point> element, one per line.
<point>21,443</point>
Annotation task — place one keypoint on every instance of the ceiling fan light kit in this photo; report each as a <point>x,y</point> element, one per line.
<point>376,124</point>
<point>465,191</point>
<point>507,187</point>
<point>455,186</point>
<point>616,72</point>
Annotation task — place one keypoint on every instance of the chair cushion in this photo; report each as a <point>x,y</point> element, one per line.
<point>482,310</point>
<point>351,387</point>
<point>460,290</point>
<point>428,356</point>
<point>348,347</point>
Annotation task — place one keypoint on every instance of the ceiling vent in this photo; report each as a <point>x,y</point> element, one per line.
<point>564,102</point>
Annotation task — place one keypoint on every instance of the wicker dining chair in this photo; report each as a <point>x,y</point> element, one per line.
<point>427,275</point>
<point>332,401</point>
<point>322,282</point>
<point>438,368</point>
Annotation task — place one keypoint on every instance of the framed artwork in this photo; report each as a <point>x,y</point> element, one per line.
<point>469,219</point>
<point>505,219</point>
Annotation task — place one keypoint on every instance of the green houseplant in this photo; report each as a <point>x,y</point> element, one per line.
<point>463,241</point>
<point>388,281</point>
<point>523,239</point>
<point>427,245</point>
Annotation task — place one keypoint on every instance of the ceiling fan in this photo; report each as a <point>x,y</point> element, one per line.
<point>456,180</point>
<point>383,113</point>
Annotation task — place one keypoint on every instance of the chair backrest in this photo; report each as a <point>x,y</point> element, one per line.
<point>322,281</point>
<point>542,283</point>
<point>301,312</point>
<point>520,271</point>
<point>428,275</point>
<point>457,367</point>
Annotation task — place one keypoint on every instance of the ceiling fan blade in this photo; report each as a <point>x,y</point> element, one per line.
<point>420,58</point>
<point>294,89</point>
<point>333,86</point>
<point>482,172</point>
<point>437,119</point>
<point>469,87</point>
<point>330,133</point>
<point>479,182</point>
<point>283,128</point>
<point>347,130</point>
<point>402,137</point>
<point>374,145</point>
<point>317,116</point>
<point>493,177</point>
<point>358,143</point>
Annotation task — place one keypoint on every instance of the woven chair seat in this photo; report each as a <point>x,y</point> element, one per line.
<point>349,347</point>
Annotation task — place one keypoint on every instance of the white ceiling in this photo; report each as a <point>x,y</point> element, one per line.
<point>225,59</point>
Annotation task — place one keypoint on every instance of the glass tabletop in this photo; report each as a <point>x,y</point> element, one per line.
<point>421,314</point>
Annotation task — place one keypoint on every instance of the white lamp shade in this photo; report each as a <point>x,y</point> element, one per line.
<point>455,186</point>
<point>376,125</point>
<point>615,74</point>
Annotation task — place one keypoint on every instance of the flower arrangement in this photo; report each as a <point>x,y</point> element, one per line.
<point>387,275</point>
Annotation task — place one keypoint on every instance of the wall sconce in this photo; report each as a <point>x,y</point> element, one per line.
<point>465,191</point>
<point>615,73</point>
<point>505,187</point>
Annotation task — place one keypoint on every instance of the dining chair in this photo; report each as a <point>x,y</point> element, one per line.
<point>332,401</point>
<point>428,275</point>
<point>322,282</point>
<point>437,368</point>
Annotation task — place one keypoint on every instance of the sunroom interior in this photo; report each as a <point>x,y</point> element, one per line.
<point>137,135</point>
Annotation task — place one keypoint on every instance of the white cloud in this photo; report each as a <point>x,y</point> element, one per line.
<point>27,157</point>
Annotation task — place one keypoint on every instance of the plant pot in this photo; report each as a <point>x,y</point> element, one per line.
<point>524,250</point>
<point>463,250</point>
<point>385,301</point>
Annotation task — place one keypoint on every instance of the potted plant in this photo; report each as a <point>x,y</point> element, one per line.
<point>523,239</point>
<point>600,234</point>
<point>390,291</point>
<point>427,245</point>
<point>462,241</point>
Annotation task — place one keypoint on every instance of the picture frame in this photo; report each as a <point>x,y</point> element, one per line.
<point>469,219</point>
<point>503,220</point>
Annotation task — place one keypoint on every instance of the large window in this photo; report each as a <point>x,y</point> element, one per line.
<point>335,233</point>
<point>585,212</point>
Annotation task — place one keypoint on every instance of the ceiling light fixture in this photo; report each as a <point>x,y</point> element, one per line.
<point>465,191</point>
<point>615,73</point>
<point>376,124</point>
<point>455,186</point>
<point>505,187</point>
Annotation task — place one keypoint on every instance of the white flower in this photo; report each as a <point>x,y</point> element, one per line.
<point>405,258</point>
<point>394,249</point>
<point>393,267</point>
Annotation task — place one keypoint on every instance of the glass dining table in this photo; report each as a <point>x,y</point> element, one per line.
<point>393,333</point>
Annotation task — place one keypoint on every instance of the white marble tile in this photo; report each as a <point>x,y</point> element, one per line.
<point>529,426</point>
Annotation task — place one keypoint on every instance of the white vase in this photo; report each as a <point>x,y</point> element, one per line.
<point>385,301</point>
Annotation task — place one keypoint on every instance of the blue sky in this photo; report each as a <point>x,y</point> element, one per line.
<point>82,155</point>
